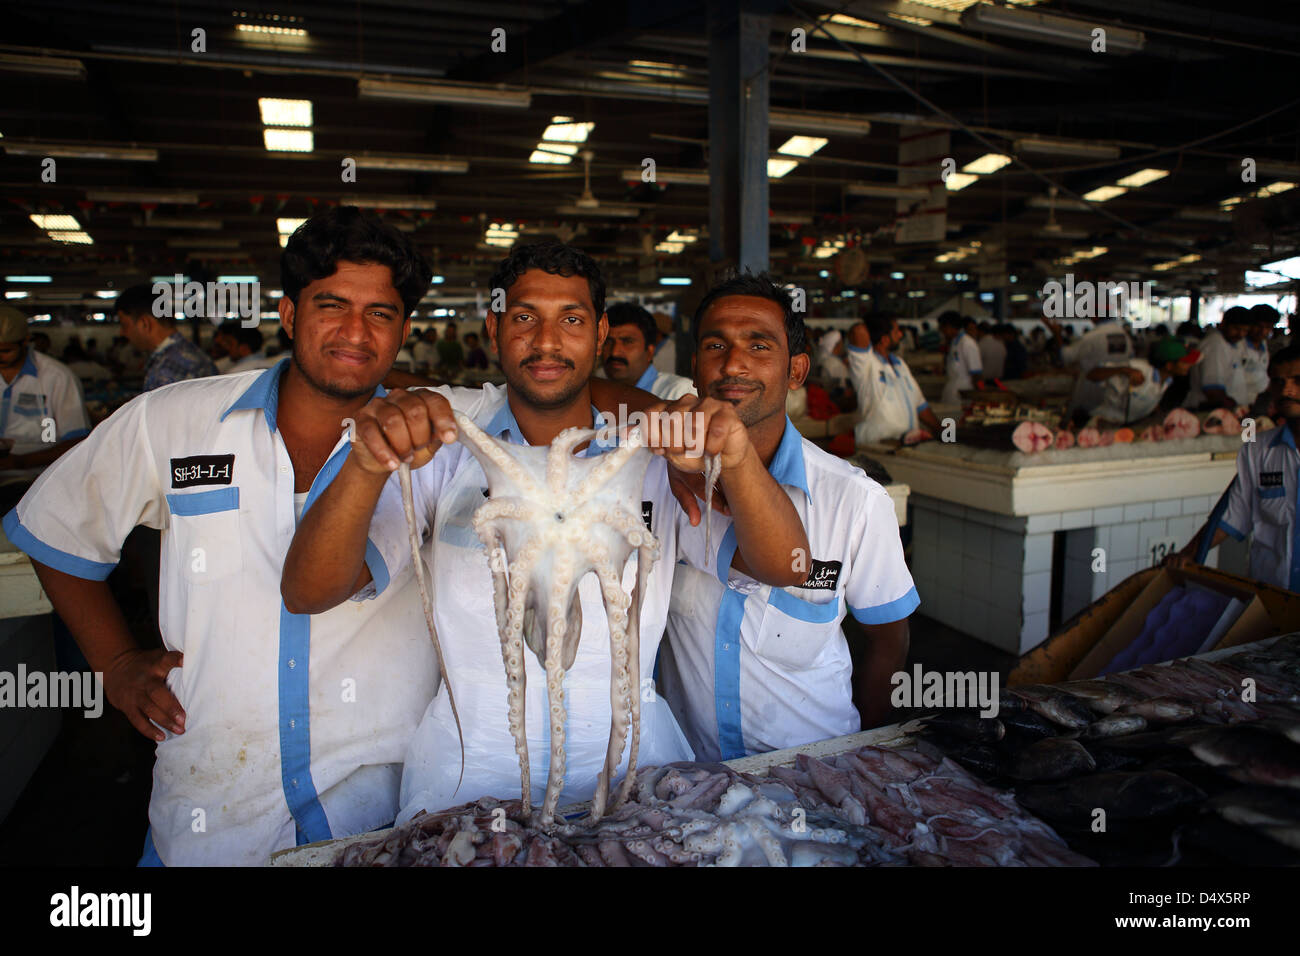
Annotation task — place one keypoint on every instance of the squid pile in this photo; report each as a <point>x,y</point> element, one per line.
<point>870,807</point>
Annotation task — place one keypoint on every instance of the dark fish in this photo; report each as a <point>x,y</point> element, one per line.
<point>1029,724</point>
<point>1103,696</point>
<point>1161,710</point>
<point>1108,759</point>
<point>967,726</point>
<point>1056,705</point>
<point>1258,807</point>
<point>1052,759</point>
<point>1116,725</point>
<point>1249,755</point>
<point>1124,796</point>
<point>982,759</point>
<point>1290,729</point>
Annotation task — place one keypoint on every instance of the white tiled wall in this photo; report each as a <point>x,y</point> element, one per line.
<point>990,575</point>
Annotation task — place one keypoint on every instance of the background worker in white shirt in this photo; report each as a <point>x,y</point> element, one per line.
<point>548,337</point>
<point>1261,500</point>
<point>273,728</point>
<point>993,354</point>
<point>1105,343</point>
<point>1137,388</point>
<point>630,352</point>
<point>1255,355</point>
<point>751,667</point>
<point>890,402</point>
<point>1219,380</point>
<point>42,411</point>
<point>963,366</point>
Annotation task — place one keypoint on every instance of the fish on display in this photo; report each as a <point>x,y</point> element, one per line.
<point>1250,755</point>
<point>1259,807</point>
<point>1116,725</point>
<point>1103,696</point>
<point>1123,795</point>
<point>1161,710</point>
<point>1056,705</point>
<point>967,725</point>
<point>1053,758</point>
<point>1028,724</point>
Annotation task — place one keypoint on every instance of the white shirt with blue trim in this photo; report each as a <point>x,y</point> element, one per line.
<point>889,400</point>
<point>1125,402</point>
<point>1261,502</point>
<point>1220,367</point>
<point>43,388</point>
<point>665,385</point>
<point>448,490</point>
<point>963,364</point>
<point>1254,368</point>
<point>1105,344</point>
<point>296,725</point>
<point>749,668</point>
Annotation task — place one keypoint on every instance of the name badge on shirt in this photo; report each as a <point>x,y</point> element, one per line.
<point>29,400</point>
<point>823,575</point>
<point>1270,479</point>
<point>202,470</point>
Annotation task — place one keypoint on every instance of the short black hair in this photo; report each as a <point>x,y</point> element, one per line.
<point>1264,313</point>
<point>879,324</point>
<point>952,319</point>
<point>629,313</point>
<point>556,258</point>
<point>138,300</point>
<point>346,234</point>
<point>1238,315</point>
<point>760,286</point>
<point>1289,354</point>
<point>230,328</point>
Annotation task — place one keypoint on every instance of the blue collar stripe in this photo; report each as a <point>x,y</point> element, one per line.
<point>647,378</point>
<point>1293,583</point>
<point>787,464</point>
<point>726,656</point>
<point>895,610</point>
<point>504,421</point>
<point>801,610</point>
<point>1283,437</point>
<point>264,393</point>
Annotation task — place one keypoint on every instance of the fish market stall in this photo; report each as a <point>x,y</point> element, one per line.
<point>984,522</point>
<point>1192,762</point>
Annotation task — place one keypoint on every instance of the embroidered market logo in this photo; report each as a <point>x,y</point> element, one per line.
<point>1085,299</point>
<point>79,690</point>
<point>214,301</point>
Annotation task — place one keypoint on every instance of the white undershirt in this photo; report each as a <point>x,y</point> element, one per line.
<point>298,501</point>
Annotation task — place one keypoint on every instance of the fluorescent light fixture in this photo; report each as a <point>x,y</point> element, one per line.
<point>655,68</point>
<point>1064,31</point>
<point>266,29</point>
<point>1288,267</point>
<point>106,294</point>
<point>844,124</point>
<point>986,164</point>
<point>887,191</point>
<point>415,164</point>
<point>277,112</point>
<point>670,247</point>
<point>275,294</point>
<point>128,154</point>
<point>679,177</point>
<point>1274,188</point>
<point>396,202</point>
<point>460,94</point>
<point>289,140</point>
<point>1142,177</point>
<point>243,279</point>
<point>178,197</point>
<point>65,67</point>
<point>557,154</point>
<point>74,236</point>
<point>29,279</point>
<point>284,226</point>
<point>563,129</point>
<point>284,240</point>
<point>897,275</point>
<point>1174,263</point>
<point>958,181</point>
<point>776,168</point>
<point>1253,278</point>
<point>1104,193</point>
<point>802,145</point>
<point>1046,202</point>
<point>60,221</point>
<point>1052,146</point>
<point>674,280</point>
<point>17,295</point>
<point>502,234</point>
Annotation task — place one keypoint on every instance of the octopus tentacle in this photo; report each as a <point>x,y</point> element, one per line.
<point>555,695</point>
<point>512,652</point>
<point>712,470</point>
<point>620,688</point>
<point>561,454</point>
<point>483,446</point>
<point>426,602</point>
<point>645,557</point>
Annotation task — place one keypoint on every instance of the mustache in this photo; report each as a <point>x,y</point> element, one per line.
<point>538,357</point>
<point>350,348</point>
<point>733,382</point>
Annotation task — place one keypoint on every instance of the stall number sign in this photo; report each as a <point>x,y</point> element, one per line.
<point>1155,550</point>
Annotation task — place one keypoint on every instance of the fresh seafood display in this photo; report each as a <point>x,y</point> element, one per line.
<point>873,806</point>
<point>1194,761</point>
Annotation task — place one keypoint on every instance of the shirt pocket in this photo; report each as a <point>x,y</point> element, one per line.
<point>794,631</point>
<point>206,540</point>
<point>1274,506</point>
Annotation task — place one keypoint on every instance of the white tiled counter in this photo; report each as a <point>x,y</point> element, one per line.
<point>984,535</point>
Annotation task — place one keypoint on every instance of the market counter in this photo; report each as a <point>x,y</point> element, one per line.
<point>991,530</point>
